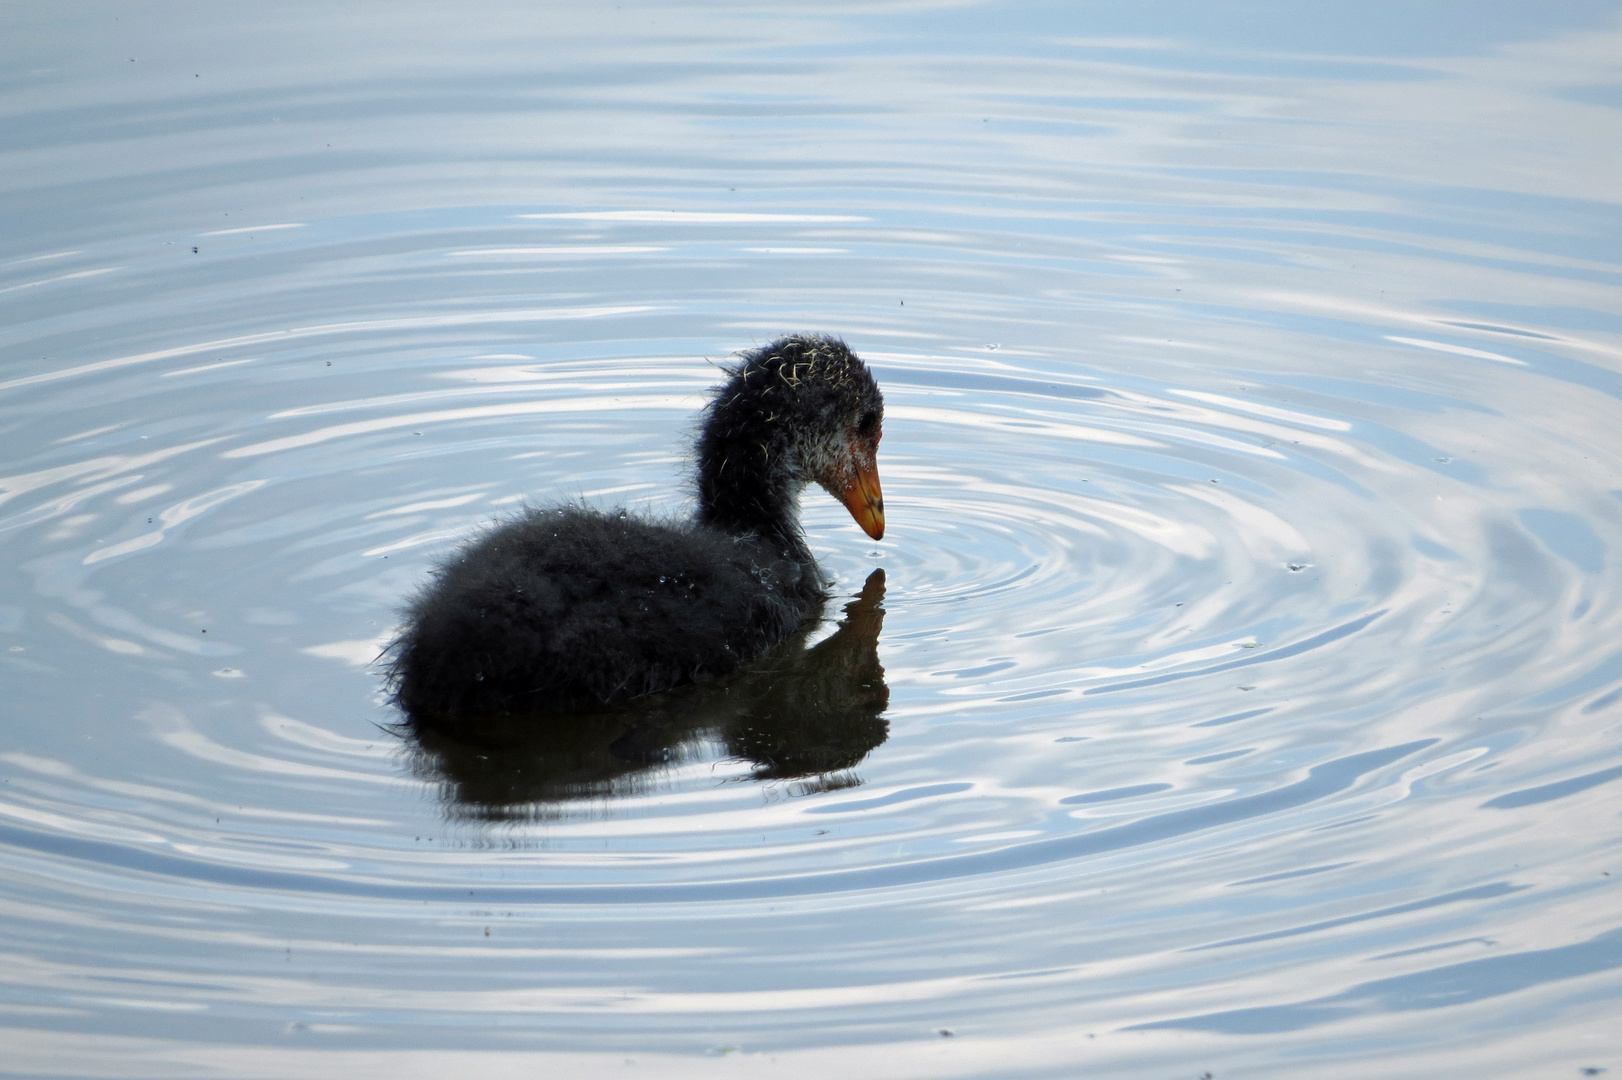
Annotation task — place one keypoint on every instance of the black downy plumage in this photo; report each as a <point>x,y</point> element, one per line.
<point>567,608</point>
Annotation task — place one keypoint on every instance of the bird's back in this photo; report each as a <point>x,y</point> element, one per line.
<point>567,608</point>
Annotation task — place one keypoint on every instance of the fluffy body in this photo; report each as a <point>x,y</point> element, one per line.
<point>566,608</point>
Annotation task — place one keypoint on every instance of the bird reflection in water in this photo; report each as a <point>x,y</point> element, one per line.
<point>803,714</point>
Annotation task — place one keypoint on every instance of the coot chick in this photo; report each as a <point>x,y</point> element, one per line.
<point>568,608</point>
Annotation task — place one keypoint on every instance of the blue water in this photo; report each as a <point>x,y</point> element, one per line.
<point>1251,676</point>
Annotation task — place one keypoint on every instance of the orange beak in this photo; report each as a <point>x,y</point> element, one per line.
<point>865,501</point>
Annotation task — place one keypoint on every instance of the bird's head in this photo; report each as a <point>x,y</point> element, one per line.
<point>801,410</point>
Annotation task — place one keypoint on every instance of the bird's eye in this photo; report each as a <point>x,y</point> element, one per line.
<point>868,424</point>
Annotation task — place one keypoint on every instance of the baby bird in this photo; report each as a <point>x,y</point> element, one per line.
<point>567,608</point>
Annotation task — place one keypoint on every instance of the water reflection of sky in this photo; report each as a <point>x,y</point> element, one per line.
<point>1249,641</point>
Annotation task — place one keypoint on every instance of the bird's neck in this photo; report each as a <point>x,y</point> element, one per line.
<point>764,507</point>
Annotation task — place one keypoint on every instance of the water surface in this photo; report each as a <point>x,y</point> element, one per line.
<point>1249,608</point>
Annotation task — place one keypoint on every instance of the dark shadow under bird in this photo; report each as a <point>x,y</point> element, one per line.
<point>567,608</point>
<point>807,715</point>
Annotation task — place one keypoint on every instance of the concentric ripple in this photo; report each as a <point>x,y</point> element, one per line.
<point>1248,619</point>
